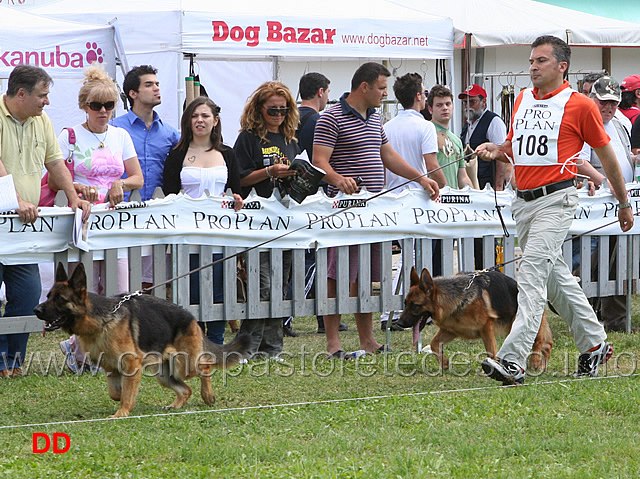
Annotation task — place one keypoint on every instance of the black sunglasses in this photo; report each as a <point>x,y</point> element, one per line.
<point>275,111</point>
<point>97,106</point>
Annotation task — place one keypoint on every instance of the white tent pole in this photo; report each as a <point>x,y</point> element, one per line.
<point>180,72</point>
<point>455,120</point>
<point>121,55</point>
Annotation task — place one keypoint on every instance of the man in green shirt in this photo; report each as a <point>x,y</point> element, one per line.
<point>28,144</point>
<point>440,104</point>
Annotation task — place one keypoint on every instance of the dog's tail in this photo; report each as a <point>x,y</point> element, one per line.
<point>229,354</point>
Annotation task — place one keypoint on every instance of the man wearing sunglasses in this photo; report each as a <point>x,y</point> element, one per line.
<point>483,126</point>
<point>28,144</point>
<point>152,138</point>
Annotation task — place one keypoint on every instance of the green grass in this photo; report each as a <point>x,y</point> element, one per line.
<point>412,421</point>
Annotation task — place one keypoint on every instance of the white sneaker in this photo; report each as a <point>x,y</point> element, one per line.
<point>70,356</point>
<point>589,362</point>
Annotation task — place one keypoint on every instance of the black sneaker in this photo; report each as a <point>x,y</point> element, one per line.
<point>505,371</point>
<point>394,325</point>
<point>288,331</point>
<point>589,362</point>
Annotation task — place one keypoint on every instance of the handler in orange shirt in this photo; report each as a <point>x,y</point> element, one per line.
<point>550,123</point>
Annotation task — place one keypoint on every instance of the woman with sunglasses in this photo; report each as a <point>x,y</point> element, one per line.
<point>197,163</point>
<point>266,144</point>
<point>100,155</point>
<point>102,152</point>
<point>265,148</point>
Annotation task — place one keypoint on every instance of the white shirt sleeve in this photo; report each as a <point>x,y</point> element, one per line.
<point>429,139</point>
<point>585,153</point>
<point>497,131</point>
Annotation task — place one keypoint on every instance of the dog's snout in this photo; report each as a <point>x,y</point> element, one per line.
<point>38,310</point>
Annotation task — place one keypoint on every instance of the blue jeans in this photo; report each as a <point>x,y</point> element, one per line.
<point>22,283</point>
<point>213,330</point>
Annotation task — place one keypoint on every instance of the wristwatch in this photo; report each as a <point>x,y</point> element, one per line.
<point>624,205</point>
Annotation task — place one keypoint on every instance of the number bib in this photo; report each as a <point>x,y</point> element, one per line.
<point>536,125</point>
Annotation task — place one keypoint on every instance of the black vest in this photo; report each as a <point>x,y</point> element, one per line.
<point>478,137</point>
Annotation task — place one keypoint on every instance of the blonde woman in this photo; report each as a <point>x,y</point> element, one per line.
<point>100,155</point>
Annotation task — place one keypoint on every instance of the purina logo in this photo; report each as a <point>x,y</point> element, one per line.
<point>250,205</point>
<point>54,59</point>
<point>454,199</point>
<point>349,204</point>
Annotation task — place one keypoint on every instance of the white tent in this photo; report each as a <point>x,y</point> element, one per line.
<point>159,33</point>
<point>150,34</point>
<point>264,45</point>
<point>64,49</point>
<point>494,23</point>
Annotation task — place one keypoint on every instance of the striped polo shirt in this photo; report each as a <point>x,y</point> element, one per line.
<point>356,143</point>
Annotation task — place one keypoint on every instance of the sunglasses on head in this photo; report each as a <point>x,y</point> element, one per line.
<point>275,111</point>
<point>97,106</point>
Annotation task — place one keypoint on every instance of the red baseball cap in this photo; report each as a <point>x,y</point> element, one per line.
<point>631,83</point>
<point>476,90</point>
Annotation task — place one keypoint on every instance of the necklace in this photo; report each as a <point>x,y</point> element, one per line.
<point>101,145</point>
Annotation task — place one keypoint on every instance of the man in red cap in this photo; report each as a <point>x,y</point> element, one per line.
<point>630,103</point>
<point>483,126</point>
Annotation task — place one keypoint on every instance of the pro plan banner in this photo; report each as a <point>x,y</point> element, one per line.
<point>226,36</point>
<point>35,242</point>
<point>318,221</point>
<point>63,49</point>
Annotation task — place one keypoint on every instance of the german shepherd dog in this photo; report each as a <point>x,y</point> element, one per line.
<point>144,334</point>
<point>469,306</point>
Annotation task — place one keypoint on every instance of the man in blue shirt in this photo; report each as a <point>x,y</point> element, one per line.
<point>152,138</point>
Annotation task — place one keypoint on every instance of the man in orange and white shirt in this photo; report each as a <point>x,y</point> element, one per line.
<point>549,125</point>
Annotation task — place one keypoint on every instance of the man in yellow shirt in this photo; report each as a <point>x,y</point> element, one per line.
<point>28,144</point>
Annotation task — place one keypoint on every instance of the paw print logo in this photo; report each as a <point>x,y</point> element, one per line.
<point>94,54</point>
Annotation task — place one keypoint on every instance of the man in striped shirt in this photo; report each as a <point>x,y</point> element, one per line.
<point>349,142</point>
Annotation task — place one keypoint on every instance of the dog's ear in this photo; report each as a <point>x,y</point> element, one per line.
<point>415,279</point>
<point>426,282</point>
<point>78,279</point>
<point>61,274</point>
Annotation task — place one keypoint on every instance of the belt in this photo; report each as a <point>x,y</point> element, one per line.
<point>534,194</point>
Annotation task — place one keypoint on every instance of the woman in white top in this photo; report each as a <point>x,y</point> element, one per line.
<point>201,162</point>
<point>101,154</point>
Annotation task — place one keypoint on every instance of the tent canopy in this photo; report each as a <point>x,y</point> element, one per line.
<point>494,23</point>
<point>64,49</point>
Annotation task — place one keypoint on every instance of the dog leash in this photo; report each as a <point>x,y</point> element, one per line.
<point>496,267</point>
<point>356,204</point>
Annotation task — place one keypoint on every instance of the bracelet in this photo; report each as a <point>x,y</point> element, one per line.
<point>268,172</point>
<point>123,185</point>
<point>624,205</point>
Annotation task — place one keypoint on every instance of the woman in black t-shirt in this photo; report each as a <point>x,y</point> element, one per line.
<point>267,145</point>
<point>264,150</point>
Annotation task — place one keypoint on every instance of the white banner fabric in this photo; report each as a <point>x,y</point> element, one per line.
<point>63,49</point>
<point>318,221</point>
<point>225,36</point>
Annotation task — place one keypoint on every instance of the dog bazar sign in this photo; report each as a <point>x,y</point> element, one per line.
<point>248,35</point>
<point>321,221</point>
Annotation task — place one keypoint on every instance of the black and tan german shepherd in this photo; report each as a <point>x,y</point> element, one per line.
<point>469,306</point>
<point>144,334</point>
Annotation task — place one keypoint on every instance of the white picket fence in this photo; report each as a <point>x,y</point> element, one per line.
<point>457,254</point>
